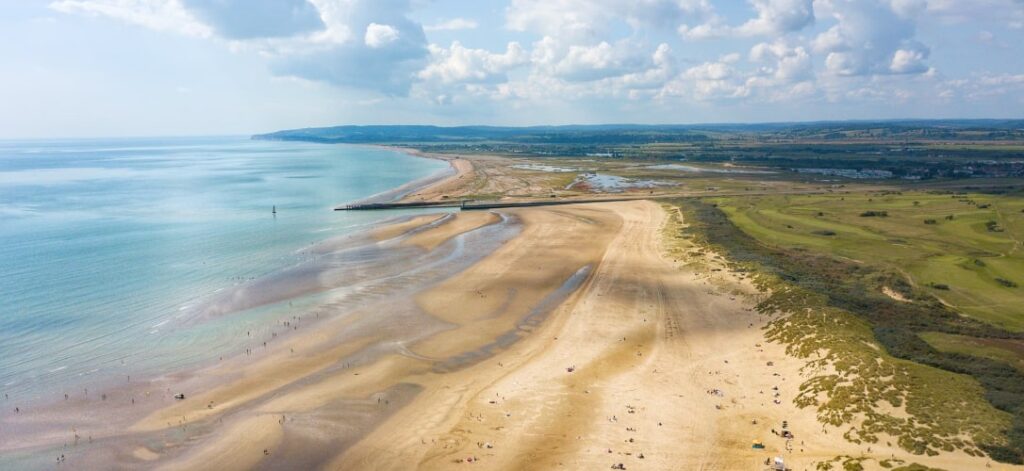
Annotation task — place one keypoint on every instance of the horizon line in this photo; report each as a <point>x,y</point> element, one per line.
<point>520,126</point>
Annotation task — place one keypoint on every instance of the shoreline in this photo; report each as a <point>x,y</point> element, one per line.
<point>35,413</point>
<point>458,169</point>
<point>30,388</point>
<point>90,415</point>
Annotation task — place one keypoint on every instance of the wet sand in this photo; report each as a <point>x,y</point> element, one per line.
<point>363,286</point>
<point>531,338</point>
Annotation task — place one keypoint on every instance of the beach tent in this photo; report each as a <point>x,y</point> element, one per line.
<point>779,465</point>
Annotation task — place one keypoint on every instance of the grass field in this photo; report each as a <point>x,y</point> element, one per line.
<point>970,244</point>
<point>1009,352</point>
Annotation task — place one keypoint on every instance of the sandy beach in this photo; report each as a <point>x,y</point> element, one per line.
<point>512,235</point>
<point>577,342</point>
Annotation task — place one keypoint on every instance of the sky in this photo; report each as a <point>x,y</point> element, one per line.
<point>105,68</point>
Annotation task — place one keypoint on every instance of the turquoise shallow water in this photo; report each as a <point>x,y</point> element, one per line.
<point>105,244</point>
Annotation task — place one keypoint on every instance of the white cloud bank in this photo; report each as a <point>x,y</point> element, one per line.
<point>641,51</point>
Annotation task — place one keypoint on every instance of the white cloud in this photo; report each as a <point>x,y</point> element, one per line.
<point>984,87</point>
<point>576,19</point>
<point>454,24</point>
<point>708,81</point>
<point>367,44</point>
<point>774,18</point>
<point>869,37</point>
<point>792,63</point>
<point>591,20</point>
<point>909,61</point>
<point>589,62</point>
<point>787,72</point>
<point>713,28</point>
<point>459,64</point>
<point>1007,12</point>
<point>249,19</point>
<point>159,15</point>
<point>593,51</point>
<point>663,66</point>
<point>378,35</point>
<point>777,17</point>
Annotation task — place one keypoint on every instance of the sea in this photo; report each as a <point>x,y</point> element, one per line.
<point>106,245</point>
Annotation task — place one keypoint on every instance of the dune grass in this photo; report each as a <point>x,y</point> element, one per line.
<point>876,377</point>
<point>856,463</point>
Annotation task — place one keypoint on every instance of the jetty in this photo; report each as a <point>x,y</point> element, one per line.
<point>406,205</point>
<point>469,205</point>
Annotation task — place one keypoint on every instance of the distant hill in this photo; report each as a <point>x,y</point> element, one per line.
<point>617,133</point>
<point>641,133</point>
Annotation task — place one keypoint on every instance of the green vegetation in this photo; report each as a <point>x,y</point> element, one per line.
<point>850,463</point>
<point>916,467</point>
<point>878,377</point>
<point>1006,283</point>
<point>1007,351</point>
<point>958,256</point>
<point>862,150</point>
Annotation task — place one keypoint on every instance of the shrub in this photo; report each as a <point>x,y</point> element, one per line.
<point>941,286</point>
<point>1006,283</point>
<point>874,214</point>
<point>930,221</point>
